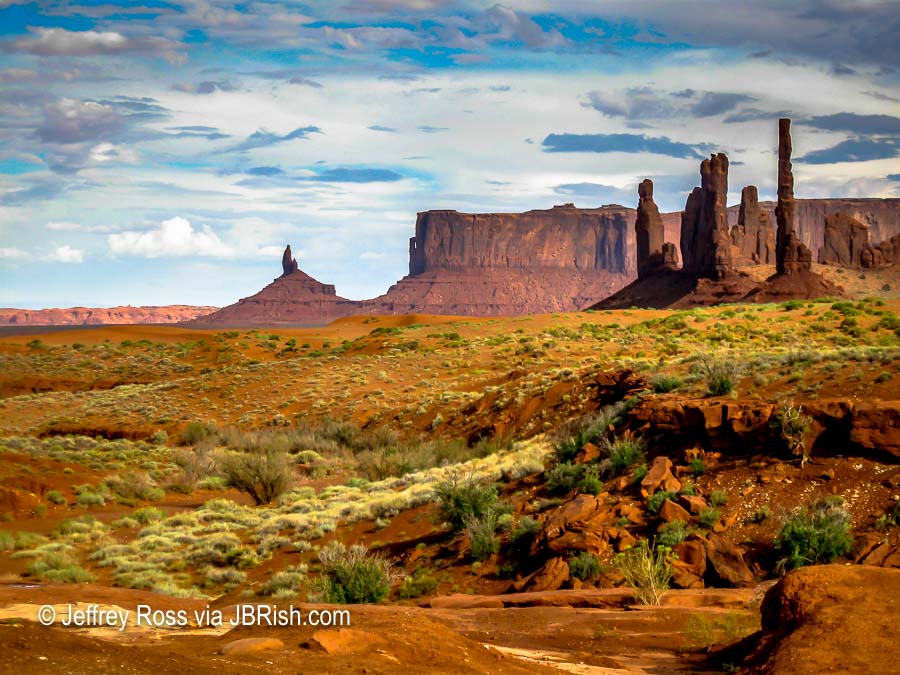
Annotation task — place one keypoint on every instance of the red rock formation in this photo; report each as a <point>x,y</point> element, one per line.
<point>753,238</point>
<point>649,231</point>
<point>288,263</point>
<point>792,256</point>
<point>294,298</point>
<point>845,238</point>
<point>705,239</point>
<point>96,316</point>
<point>885,254</point>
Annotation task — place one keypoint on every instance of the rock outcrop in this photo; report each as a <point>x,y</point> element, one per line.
<point>649,232</point>
<point>288,263</point>
<point>753,238</point>
<point>845,239</point>
<point>97,316</point>
<point>792,256</point>
<point>885,254</point>
<point>705,238</point>
<point>294,298</point>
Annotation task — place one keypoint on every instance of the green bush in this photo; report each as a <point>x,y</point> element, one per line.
<point>707,518</point>
<point>524,534</point>
<point>720,375</point>
<point>195,432</point>
<point>647,571</point>
<point>574,435</point>
<point>656,500</point>
<point>672,534</point>
<point>460,500</point>
<point>718,498</point>
<point>697,466</point>
<point>482,535</point>
<point>263,474</point>
<point>59,569</point>
<point>419,584</point>
<point>622,453</point>
<point>584,566</point>
<point>352,575</point>
<point>55,496</point>
<point>663,384</point>
<point>567,476</point>
<point>818,533</point>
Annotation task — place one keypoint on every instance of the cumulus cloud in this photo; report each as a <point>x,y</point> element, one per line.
<point>62,42</point>
<point>65,254</point>
<point>175,237</point>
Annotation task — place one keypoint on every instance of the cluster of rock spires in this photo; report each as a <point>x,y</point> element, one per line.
<point>711,251</point>
<point>565,258</point>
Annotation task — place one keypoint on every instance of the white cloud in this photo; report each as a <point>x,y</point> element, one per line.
<point>66,254</point>
<point>107,152</point>
<point>175,237</point>
<point>12,253</point>
<point>62,42</point>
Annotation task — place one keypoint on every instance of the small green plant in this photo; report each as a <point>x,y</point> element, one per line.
<point>818,533</point>
<point>419,584</point>
<point>352,575</point>
<point>707,518</point>
<point>585,566</point>
<point>889,519</point>
<point>663,384</point>
<point>697,466</point>
<point>761,514</point>
<point>55,496</point>
<point>622,453</point>
<point>720,375</point>
<point>647,571</point>
<point>718,498</point>
<point>793,425</point>
<point>656,500</point>
<point>672,534</point>
<point>523,534</point>
<point>482,535</point>
<point>59,569</point>
<point>459,500</point>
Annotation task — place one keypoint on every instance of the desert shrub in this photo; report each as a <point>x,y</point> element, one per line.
<point>59,569</point>
<point>195,432</point>
<point>590,482</point>
<point>263,474</point>
<point>622,453</point>
<point>284,583</point>
<point>663,384</point>
<point>793,425</point>
<point>818,533</point>
<point>159,438</point>
<point>567,476</point>
<point>640,471</point>
<point>352,575</point>
<point>148,515</point>
<point>708,517</point>
<point>55,496</point>
<point>419,584</point>
<point>90,497</point>
<point>524,534</point>
<point>646,570</point>
<point>459,500</point>
<point>574,435</point>
<point>720,374</point>
<point>718,498</point>
<point>584,566</point>
<point>481,531</point>
<point>672,534</point>
<point>135,485</point>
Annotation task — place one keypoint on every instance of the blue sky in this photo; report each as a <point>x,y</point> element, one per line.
<point>156,152</point>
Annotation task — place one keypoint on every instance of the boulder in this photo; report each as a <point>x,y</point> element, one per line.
<point>876,425</point>
<point>725,563</point>
<point>659,476</point>
<point>550,577</point>
<point>670,511</point>
<point>250,646</point>
<point>692,503</point>
<point>346,641</point>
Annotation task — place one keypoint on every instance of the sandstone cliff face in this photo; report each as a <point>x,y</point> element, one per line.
<point>705,237</point>
<point>885,254</point>
<point>563,237</point>
<point>97,316</point>
<point>845,238</point>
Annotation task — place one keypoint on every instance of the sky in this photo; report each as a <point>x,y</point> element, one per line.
<point>165,151</point>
